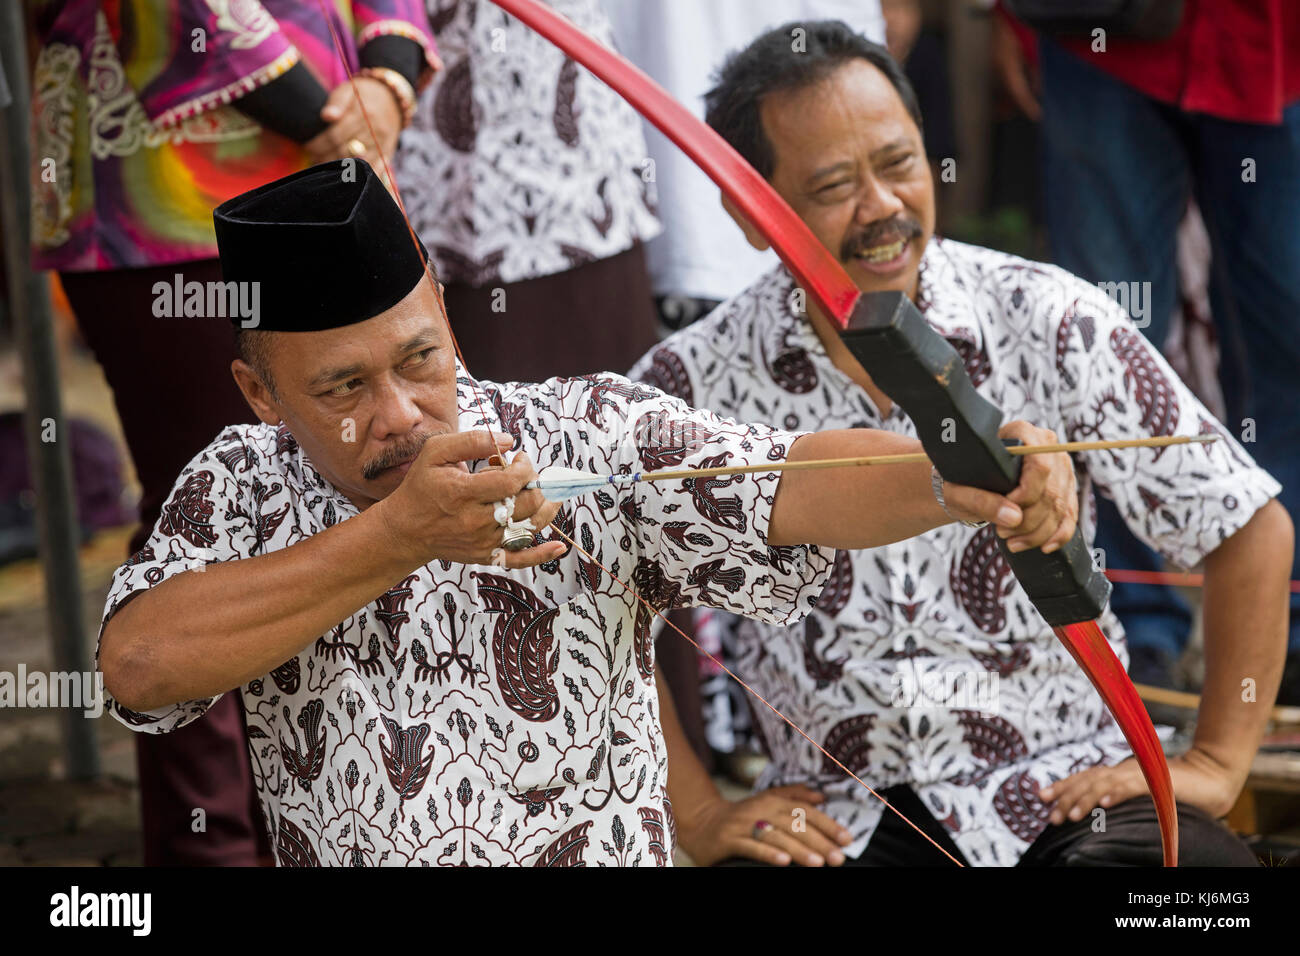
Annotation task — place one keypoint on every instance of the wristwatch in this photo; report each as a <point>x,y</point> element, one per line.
<point>936,482</point>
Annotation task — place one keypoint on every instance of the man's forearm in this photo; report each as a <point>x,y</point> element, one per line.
<point>1245,623</point>
<point>863,507</point>
<point>689,784</point>
<point>202,633</point>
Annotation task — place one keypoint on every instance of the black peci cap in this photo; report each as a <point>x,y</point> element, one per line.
<point>328,247</point>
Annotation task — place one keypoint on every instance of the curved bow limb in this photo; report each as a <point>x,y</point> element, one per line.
<point>1091,650</point>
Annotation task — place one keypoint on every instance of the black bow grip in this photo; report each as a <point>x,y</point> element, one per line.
<point>917,368</point>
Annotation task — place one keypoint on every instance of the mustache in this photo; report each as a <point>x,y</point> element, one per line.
<point>879,234</point>
<point>400,451</point>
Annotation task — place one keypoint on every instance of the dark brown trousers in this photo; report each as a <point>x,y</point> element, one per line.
<point>598,317</point>
<point>174,393</point>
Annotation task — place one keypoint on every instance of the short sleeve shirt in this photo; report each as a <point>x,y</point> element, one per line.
<point>472,714</point>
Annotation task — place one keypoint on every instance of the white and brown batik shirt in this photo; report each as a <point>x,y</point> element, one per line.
<point>924,662</point>
<point>475,715</point>
<point>519,162</point>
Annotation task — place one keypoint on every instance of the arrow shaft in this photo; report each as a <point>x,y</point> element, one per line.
<point>918,457</point>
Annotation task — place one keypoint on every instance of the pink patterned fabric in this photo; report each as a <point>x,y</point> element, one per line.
<point>134,134</point>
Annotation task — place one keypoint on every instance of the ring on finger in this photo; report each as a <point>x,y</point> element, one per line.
<point>760,827</point>
<point>356,147</point>
<point>518,535</point>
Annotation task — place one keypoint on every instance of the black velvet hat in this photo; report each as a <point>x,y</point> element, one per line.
<point>328,246</point>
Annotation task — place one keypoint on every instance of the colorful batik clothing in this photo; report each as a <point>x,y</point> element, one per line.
<point>924,662</point>
<point>134,138</point>
<point>520,163</point>
<point>475,715</point>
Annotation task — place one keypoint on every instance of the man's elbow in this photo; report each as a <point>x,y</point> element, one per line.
<point>1265,544</point>
<point>127,670</point>
<point>1285,526</point>
<point>1277,532</point>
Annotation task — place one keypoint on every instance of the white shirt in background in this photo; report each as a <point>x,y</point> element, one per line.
<point>681,44</point>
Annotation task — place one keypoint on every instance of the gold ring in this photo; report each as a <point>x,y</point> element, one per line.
<point>356,147</point>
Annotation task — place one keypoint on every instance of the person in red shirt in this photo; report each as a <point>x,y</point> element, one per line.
<point>1132,129</point>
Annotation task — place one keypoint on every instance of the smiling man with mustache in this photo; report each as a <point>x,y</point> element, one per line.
<point>414,692</point>
<point>924,668</point>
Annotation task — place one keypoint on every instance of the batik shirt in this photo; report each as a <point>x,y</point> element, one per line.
<point>924,662</point>
<point>134,138</point>
<point>520,163</point>
<point>472,714</point>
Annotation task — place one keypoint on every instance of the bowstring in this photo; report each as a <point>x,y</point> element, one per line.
<point>480,401</point>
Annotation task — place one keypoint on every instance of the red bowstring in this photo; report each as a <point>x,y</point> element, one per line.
<point>481,401</point>
<point>1166,578</point>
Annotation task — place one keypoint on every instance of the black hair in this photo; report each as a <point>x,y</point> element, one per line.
<point>255,349</point>
<point>790,57</point>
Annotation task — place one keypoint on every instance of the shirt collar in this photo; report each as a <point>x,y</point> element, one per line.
<point>323,501</point>
<point>946,294</point>
<point>945,298</point>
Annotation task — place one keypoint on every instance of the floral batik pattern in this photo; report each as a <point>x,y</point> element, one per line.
<point>520,163</point>
<point>134,129</point>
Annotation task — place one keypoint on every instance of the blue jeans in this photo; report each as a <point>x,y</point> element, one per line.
<point>1118,168</point>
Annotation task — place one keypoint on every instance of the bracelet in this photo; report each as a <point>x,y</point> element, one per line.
<point>936,483</point>
<point>398,85</point>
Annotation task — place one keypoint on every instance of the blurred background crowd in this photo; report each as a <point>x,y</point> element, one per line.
<point>571,236</point>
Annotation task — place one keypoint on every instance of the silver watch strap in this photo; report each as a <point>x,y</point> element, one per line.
<point>936,482</point>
